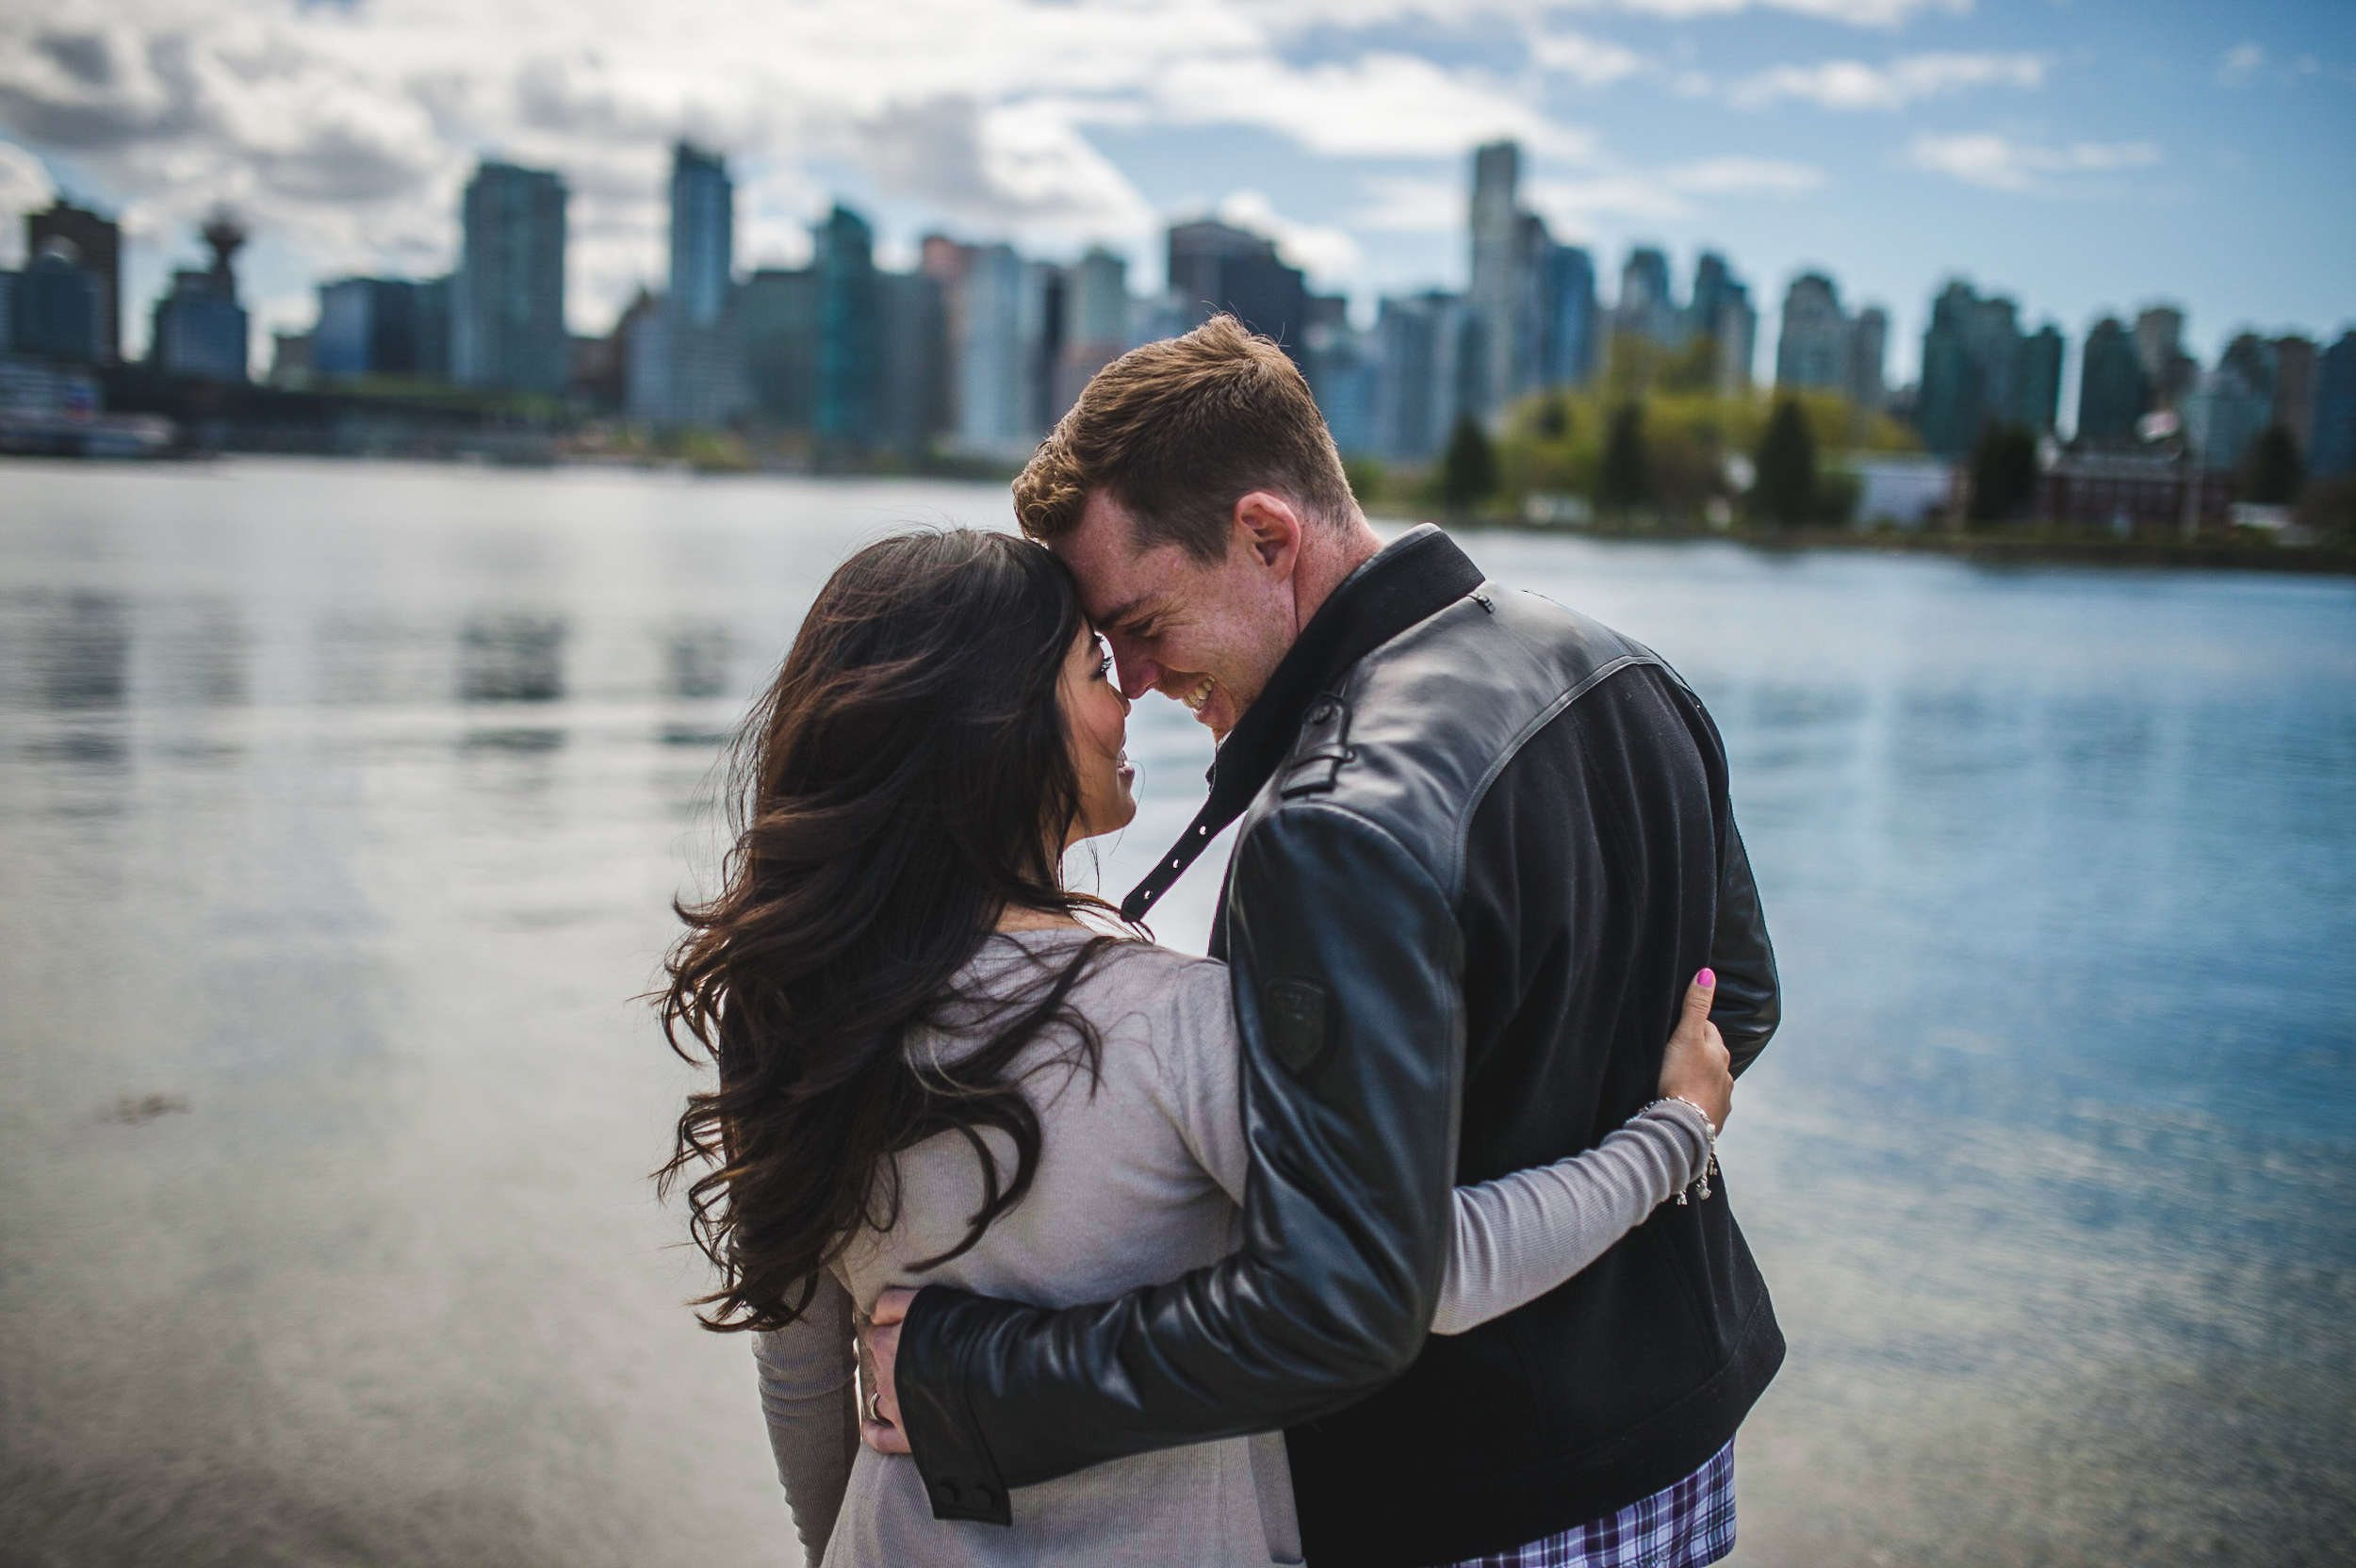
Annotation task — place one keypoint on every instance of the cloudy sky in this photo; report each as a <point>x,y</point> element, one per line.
<point>2082,156</point>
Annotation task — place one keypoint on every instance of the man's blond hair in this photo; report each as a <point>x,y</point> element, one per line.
<point>1176,431</point>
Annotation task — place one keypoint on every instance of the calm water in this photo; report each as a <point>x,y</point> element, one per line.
<point>340,808</point>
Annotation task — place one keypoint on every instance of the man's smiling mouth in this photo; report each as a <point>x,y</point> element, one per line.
<point>1201,695</point>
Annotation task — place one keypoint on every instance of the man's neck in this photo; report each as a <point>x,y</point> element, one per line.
<point>1326,559</point>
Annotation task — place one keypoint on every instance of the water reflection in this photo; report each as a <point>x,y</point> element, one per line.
<point>695,661</point>
<point>85,652</point>
<point>512,657</point>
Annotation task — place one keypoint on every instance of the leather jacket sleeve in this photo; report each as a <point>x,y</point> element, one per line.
<point>1749,1003</point>
<point>1346,960</point>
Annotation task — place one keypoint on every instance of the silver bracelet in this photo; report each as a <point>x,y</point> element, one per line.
<point>1700,1185</point>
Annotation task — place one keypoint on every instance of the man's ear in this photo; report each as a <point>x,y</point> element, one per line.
<point>1271,529</point>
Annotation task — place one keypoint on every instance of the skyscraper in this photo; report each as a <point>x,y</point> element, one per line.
<point>703,235</point>
<point>1814,347</point>
<point>1569,358</point>
<point>993,396</point>
<point>1971,369</point>
<point>849,328</point>
<point>2331,448</point>
<point>912,363</point>
<point>54,306</point>
<point>2113,392</point>
<point>1215,267</point>
<point>1869,340</point>
<point>373,327</point>
<point>1500,265</point>
<point>507,304</point>
<point>2168,372</point>
<point>1421,339</point>
<point>93,243</point>
<point>1721,311</point>
<point>777,323</point>
<point>2295,388</point>
<point>2036,396</point>
<point>1095,323</point>
<point>200,328</point>
<point>1646,309</point>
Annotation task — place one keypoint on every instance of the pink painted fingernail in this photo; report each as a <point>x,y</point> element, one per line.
<point>1705,980</point>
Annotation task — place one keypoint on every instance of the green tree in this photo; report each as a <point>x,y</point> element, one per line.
<point>1784,492</point>
<point>1468,472</point>
<point>2003,473</point>
<point>2272,474</point>
<point>1552,421</point>
<point>1627,478</point>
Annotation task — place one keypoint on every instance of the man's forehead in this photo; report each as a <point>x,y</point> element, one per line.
<point>1118,581</point>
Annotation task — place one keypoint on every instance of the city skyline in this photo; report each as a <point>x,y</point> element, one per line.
<point>2075,158</point>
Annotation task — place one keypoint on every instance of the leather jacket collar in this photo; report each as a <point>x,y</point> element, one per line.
<point>1415,576</point>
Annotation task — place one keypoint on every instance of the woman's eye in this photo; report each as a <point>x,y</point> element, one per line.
<point>1105,667</point>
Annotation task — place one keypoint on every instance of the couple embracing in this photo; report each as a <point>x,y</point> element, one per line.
<point>1387,1237</point>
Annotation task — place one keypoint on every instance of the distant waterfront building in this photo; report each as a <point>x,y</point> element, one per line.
<point>2113,392</point>
<point>1570,351</point>
<point>1345,378</point>
<point>53,307</point>
<point>2331,448</point>
<point>687,359</point>
<point>997,338</point>
<point>1647,309</point>
<point>912,363</point>
<point>2037,397</point>
<point>2295,388</point>
<point>1822,345</point>
<point>507,299</point>
<point>777,316</point>
<point>1501,266</point>
<point>1428,379</point>
<point>1721,311</point>
<point>290,360</point>
<point>2168,372</point>
<point>703,235</point>
<point>843,254</point>
<point>1812,349</point>
<point>200,328</point>
<point>1971,369</point>
<point>93,242</point>
<point>382,327</point>
<point>1095,323</point>
<point>2226,412</point>
<point>1216,267</point>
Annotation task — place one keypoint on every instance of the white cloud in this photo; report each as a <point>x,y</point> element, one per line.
<point>1856,85</point>
<point>1997,162</point>
<point>1592,62</point>
<point>2239,65</point>
<point>1743,176</point>
<point>24,186</point>
<point>1856,13</point>
<point>1322,250</point>
<point>1378,105</point>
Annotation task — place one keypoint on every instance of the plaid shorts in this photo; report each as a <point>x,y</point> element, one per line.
<point>1682,1526</point>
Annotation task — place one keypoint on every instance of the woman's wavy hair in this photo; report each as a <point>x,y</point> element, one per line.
<point>906,779</point>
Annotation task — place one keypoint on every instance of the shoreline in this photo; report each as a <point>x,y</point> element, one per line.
<point>2203,555</point>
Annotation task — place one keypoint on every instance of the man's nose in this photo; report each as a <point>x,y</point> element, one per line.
<point>1138,675</point>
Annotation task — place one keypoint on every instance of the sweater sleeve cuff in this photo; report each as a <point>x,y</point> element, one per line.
<point>1696,1127</point>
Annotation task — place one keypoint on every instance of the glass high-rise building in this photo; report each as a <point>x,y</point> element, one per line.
<point>2332,448</point>
<point>507,299</point>
<point>200,329</point>
<point>1971,369</point>
<point>93,242</point>
<point>703,235</point>
<point>844,258</point>
<point>2037,395</point>
<point>2113,389</point>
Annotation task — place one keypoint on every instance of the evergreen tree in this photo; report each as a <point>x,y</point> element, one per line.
<point>1784,492</point>
<point>2272,474</point>
<point>1468,472</point>
<point>1554,416</point>
<point>2003,473</point>
<point>1627,478</point>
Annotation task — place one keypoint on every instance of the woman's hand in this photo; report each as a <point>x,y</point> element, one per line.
<point>1697,1067</point>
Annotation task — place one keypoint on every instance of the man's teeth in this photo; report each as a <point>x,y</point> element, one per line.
<point>1201,695</point>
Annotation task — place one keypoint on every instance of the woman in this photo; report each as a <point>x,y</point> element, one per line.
<point>931,1069</point>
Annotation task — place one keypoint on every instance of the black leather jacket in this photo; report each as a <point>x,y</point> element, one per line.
<point>1485,842</point>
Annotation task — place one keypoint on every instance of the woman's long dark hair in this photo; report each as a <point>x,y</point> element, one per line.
<point>906,779</point>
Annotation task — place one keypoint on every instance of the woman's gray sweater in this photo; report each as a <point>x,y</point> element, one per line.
<point>1139,1179</point>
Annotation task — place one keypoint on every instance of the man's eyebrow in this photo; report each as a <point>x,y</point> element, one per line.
<point>1129,610</point>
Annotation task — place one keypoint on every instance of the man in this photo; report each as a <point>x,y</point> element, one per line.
<point>1484,844</point>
